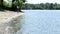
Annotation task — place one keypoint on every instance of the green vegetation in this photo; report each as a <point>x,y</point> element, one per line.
<point>49,6</point>
<point>14,5</point>
<point>17,5</point>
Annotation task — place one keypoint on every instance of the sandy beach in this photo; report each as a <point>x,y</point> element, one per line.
<point>7,14</point>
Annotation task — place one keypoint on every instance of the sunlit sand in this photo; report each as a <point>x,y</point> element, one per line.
<point>7,14</point>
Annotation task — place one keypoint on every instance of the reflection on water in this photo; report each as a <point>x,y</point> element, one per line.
<point>11,27</point>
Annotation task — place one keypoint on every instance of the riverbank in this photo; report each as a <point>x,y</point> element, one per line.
<point>8,15</point>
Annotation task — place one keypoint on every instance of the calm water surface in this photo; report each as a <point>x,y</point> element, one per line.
<point>40,22</point>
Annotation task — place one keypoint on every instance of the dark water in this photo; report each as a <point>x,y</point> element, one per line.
<point>40,22</point>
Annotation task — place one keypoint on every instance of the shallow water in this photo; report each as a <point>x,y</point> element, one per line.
<point>40,22</point>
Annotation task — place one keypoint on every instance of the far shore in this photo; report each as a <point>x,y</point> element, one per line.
<point>6,15</point>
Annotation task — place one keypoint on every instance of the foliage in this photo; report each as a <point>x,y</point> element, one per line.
<point>42,6</point>
<point>7,3</point>
<point>12,4</point>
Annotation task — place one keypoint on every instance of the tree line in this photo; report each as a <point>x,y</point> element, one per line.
<point>17,5</point>
<point>49,6</point>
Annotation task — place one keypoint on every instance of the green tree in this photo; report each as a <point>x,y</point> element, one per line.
<point>17,4</point>
<point>41,5</point>
<point>51,6</point>
<point>47,5</point>
<point>1,3</point>
<point>20,4</point>
<point>55,6</point>
<point>14,4</point>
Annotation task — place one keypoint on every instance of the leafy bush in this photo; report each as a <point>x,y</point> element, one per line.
<point>7,3</point>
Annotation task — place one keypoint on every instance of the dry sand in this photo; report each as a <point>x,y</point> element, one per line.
<point>7,14</point>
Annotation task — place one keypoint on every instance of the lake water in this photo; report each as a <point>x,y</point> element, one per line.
<point>40,22</point>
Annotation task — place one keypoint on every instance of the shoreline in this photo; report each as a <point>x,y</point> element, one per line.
<point>12,18</point>
<point>9,16</point>
<point>10,25</point>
